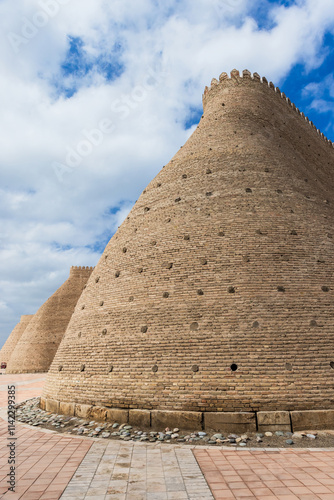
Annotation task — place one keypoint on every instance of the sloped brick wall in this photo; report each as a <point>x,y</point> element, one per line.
<point>13,338</point>
<point>37,346</point>
<point>216,293</point>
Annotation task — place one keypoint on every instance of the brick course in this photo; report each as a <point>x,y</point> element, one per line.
<point>37,346</point>
<point>216,293</point>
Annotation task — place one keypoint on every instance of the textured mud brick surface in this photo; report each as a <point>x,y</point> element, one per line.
<point>216,292</point>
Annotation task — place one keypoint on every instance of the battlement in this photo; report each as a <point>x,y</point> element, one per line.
<point>83,268</point>
<point>246,77</point>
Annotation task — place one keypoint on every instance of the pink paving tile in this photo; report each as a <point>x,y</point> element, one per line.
<point>236,485</point>
<point>223,494</point>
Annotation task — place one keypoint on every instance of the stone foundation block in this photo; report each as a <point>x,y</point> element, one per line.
<point>67,409</point>
<point>140,418</point>
<point>52,406</point>
<point>312,420</point>
<point>184,420</point>
<point>42,404</point>
<point>238,422</point>
<point>98,413</point>
<point>117,415</point>
<point>273,421</point>
<point>83,411</point>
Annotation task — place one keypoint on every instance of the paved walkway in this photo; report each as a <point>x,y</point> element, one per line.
<point>45,462</point>
<point>115,470</point>
<point>52,466</point>
<point>269,475</point>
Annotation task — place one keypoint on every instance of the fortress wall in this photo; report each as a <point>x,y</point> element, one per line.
<point>37,346</point>
<point>216,293</point>
<point>13,338</point>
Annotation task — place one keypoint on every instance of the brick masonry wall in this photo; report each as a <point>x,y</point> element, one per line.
<point>13,338</point>
<point>226,259</point>
<point>37,346</point>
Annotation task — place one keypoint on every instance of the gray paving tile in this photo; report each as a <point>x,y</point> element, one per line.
<point>138,471</point>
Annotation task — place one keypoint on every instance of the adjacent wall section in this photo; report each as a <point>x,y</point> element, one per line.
<point>36,348</point>
<point>13,338</point>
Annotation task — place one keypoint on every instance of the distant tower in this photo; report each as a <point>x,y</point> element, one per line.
<point>216,294</point>
<point>37,346</point>
<point>13,338</point>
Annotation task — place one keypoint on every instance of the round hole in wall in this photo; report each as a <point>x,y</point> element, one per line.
<point>131,299</point>
<point>325,288</point>
<point>97,279</point>
<point>82,368</point>
<point>187,237</point>
<point>332,364</point>
<point>234,367</point>
<point>165,295</point>
<point>167,265</point>
<point>194,326</point>
<point>125,250</point>
<point>231,289</point>
<point>83,307</point>
<point>195,368</point>
<point>110,369</point>
<point>117,274</point>
<point>288,366</point>
<point>144,329</point>
<point>60,368</point>
<point>101,303</point>
<point>104,332</point>
<point>200,292</point>
<point>146,209</point>
<point>155,369</point>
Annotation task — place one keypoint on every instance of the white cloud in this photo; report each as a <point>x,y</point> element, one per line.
<point>48,225</point>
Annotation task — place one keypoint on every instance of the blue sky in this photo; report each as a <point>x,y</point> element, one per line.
<point>97,96</point>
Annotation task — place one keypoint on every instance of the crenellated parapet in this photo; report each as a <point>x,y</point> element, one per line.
<point>83,268</point>
<point>81,271</point>
<point>236,78</point>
